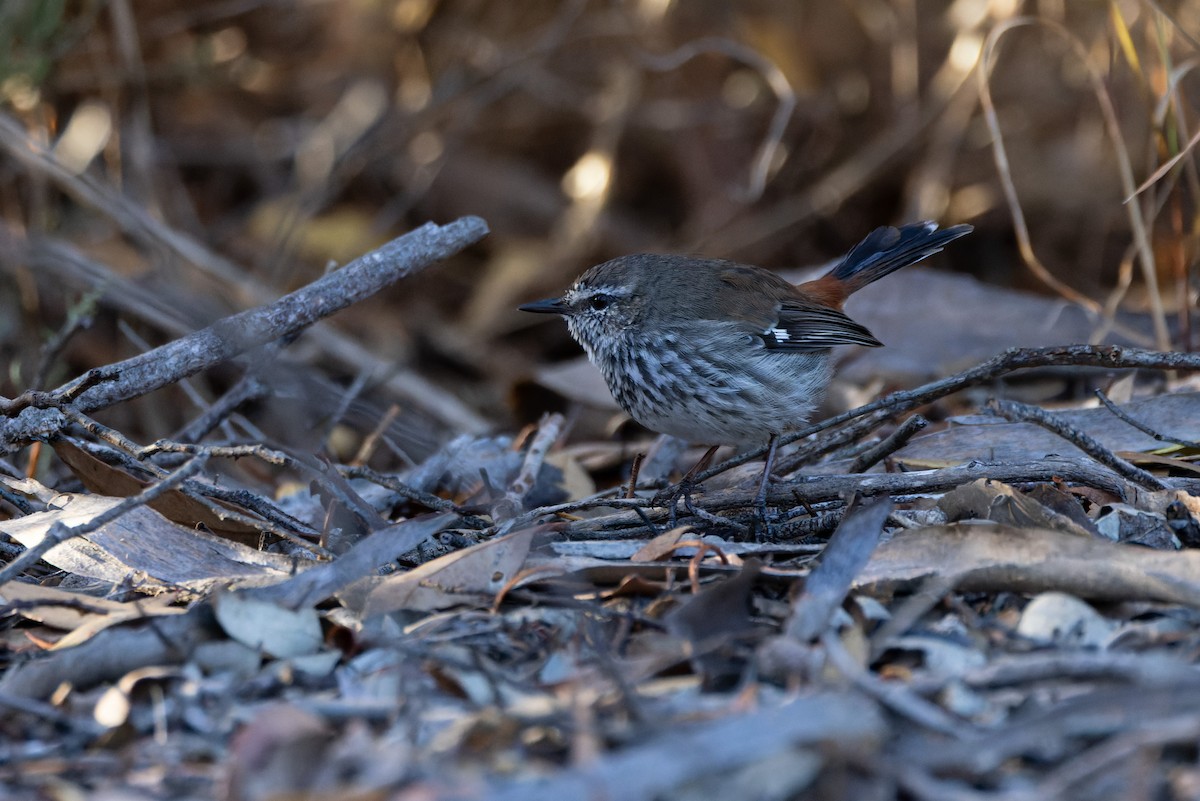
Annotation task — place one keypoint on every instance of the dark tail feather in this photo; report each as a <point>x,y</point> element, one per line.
<point>887,249</point>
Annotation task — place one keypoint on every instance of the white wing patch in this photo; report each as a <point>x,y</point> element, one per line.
<point>817,337</point>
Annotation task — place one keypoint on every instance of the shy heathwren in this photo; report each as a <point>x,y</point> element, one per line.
<point>716,352</point>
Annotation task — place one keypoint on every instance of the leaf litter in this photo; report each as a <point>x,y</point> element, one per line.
<point>969,631</point>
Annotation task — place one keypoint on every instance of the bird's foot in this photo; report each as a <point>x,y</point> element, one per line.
<point>672,495</point>
<point>761,528</point>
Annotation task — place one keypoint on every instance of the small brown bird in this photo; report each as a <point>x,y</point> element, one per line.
<point>719,353</point>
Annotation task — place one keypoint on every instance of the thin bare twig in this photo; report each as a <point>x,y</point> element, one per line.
<point>811,452</point>
<point>889,444</point>
<point>1113,127</point>
<point>1140,426</point>
<point>372,440</point>
<point>1024,413</point>
<point>79,317</point>
<point>399,487</point>
<point>512,504</point>
<point>247,389</point>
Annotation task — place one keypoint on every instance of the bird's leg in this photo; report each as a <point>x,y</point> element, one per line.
<point>671,495</point>
<point>633,474</point>
<point>760,499</point>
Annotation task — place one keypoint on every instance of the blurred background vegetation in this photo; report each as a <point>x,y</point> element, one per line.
<point>166,162</point>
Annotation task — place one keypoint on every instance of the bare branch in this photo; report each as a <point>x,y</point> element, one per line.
<point>241,332</point>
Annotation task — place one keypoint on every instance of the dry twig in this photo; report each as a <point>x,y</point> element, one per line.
<point>1023,412</point>
<point>235,335</point>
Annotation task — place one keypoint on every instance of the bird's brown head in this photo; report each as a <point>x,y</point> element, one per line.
<point>640,295</point>
<point>608,303</point>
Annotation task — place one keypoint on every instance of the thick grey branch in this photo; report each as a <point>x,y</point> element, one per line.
<point>250,329</point>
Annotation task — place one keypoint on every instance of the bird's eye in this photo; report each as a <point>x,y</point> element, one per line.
<point>598,302</point>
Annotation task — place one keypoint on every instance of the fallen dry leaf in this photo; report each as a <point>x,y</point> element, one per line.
<point>985,499</point>
<point>142,547</point>
<point>460,577</point>
<point>268,627</point>
<point>661,546</point>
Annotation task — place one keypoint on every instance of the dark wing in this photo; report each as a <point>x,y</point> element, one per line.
<point>809,326</point>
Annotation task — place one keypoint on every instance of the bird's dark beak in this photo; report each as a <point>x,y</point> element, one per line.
<point>547,306</point>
